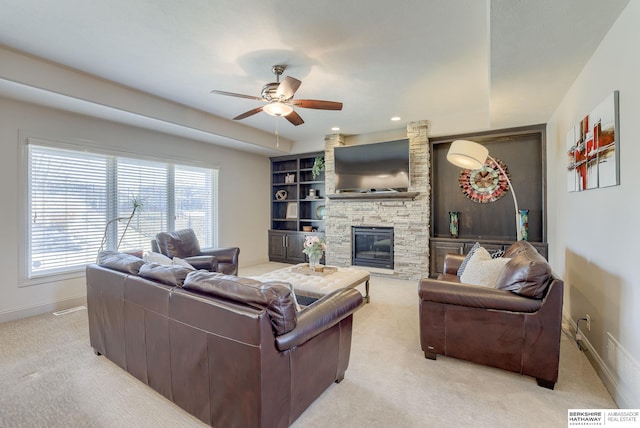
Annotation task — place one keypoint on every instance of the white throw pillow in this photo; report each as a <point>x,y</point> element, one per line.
<point>181,262</point>
<point>482,269</point>
<point>161,259</point>
<point>295,299</point>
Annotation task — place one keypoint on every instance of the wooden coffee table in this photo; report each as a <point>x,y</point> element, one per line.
<point>314,285</point>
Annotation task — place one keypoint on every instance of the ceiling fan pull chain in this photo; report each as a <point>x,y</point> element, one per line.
<point>277,133</point>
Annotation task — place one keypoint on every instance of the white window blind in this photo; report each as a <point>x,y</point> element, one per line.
<point>67,195</point>
<point>73,194</point>
<point>193,201</point>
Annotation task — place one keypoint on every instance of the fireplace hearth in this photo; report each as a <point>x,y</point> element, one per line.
<point>372,247</point>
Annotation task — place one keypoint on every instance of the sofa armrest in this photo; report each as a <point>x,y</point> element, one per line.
<point>320,316</point>
<point>474,296</point>
<point>452,263</point>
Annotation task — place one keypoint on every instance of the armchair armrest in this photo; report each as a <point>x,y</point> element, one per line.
<point>227,258</point>
<point>452,263</point>
<point>209,263</point>
<point>224,255</point>
<point>475,296</point>
<point>320,316</point>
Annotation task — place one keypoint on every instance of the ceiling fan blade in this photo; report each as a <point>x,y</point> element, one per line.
<point>287,88</point>
<point>233,94</point>
<point>318,104</point>
<point>247,114</point>
<point>294,118</point>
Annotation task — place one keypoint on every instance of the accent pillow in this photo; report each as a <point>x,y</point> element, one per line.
<point>161,259</point>
<point>463,265</point>
<point>177,261</point>
<point>293,295</point>
<point>482,269</point>
<point>497,254</point>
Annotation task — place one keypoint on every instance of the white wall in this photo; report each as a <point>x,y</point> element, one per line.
<point>243,202</point>
<point>594,234</point>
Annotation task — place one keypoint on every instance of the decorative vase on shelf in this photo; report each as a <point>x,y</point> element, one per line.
<point>453,224</point>
<point>524,224</point>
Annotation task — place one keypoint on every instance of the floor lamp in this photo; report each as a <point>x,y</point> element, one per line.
<point>471,155</point>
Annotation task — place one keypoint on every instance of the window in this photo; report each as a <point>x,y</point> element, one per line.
<point>73,195</point>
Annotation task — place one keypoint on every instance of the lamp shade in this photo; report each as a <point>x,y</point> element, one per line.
<point>467,154</point>
<point>277,109</point>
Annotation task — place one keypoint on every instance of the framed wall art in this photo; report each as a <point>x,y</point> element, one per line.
<point>593,148</point>
<point>292,210</point>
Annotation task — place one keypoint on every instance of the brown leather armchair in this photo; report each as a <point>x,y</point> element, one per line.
<point>515,325</point>
<point>184,245</point>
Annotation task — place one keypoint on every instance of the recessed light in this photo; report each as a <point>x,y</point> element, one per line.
<point>396,118</point>
<point>335,128</point>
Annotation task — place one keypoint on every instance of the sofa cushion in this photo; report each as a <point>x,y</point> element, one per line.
<point>120,261</point>
<point>166,274</point>
<point>527,273</point>
<point>482,269</point>
<point>274,297</point>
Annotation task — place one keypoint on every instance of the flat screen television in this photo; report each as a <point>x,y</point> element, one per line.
<point>378,167</point>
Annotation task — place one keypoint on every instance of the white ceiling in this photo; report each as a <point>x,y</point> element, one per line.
<point>464,65</point>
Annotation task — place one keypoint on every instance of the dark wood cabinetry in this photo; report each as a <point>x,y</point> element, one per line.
<point>297,204</point>
<point>440,247</point>
<point>491,224</point>
<point>286,246</point>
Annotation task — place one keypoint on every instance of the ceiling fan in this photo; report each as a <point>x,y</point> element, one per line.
<point>279,98</point>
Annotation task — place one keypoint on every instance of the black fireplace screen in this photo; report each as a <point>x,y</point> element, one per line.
<point>372,246</point>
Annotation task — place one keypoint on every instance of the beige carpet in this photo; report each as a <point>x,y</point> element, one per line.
<point>49,377</point>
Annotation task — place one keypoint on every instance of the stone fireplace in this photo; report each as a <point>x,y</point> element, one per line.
<point>409,217</point>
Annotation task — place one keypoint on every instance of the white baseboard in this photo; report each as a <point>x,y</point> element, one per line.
<point>30,311</point>
<point>623,396</point>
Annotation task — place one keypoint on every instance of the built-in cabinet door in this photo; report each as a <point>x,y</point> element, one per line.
<point>295,245</point>
<point>277,246</point>
<point>287,246</point>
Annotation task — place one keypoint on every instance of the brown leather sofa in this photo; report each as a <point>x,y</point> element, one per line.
<point>184,244</point>
<point>515,326</point>
<point>231,351</point>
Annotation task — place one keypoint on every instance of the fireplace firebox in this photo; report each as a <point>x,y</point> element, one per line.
<point>372,246</point>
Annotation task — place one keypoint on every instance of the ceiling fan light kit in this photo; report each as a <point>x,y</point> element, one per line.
<point>277,109</point>
<point>279,98</point>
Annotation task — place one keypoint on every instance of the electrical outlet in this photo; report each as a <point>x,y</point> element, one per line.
<point>588,322</point>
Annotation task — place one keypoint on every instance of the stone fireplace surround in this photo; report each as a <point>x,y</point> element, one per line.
<point>408,217</point>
